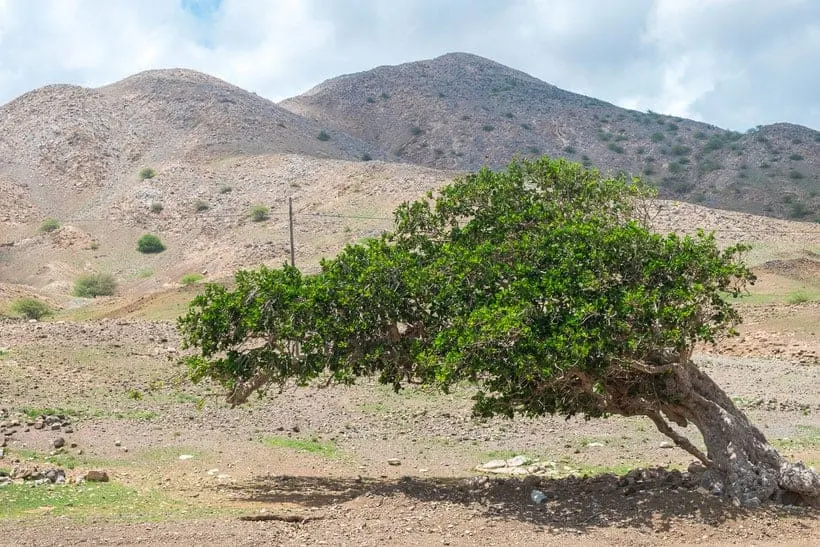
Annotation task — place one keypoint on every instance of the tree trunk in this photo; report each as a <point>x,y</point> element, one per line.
<point>739,460</point>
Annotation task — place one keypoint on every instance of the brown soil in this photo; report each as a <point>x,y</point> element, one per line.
<point>352,495</point>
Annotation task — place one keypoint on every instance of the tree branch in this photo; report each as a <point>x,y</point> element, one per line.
<point>679,439</point>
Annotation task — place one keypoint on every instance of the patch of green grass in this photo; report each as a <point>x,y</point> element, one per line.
<point>807,436</point>
<point>58,459</point>
<point>797,297</point>
<point>99,500</point>
<point>34,412</point>
<point>325,449</point>
<point>191,278</point>
<point>144,274</point>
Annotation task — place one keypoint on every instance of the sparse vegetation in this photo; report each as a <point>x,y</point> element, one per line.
<point>225,189</point>
<point>797,297</point>
<point>259,213</point>
<point>150,244</point>
<point>569,149</point>
<point>617,148</point>
<point>156,207</point>
<point>416,130</point>
<point>312,446</point>
<point>487,127</point>
<point>49,225</point>
<point>30,308</point>
<point>680,150</point>
<point>191,278</point>
<point>323,135</point>
<point>796,175</point>
<point>657,137</point>
<point>94,285</point>
<point>147,173</point>
<point>526,127</point>
<point>796,157</point>
<point>366,157</point>
<point>201,205</point>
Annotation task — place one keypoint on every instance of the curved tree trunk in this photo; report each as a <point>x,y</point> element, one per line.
<point>740,461</point>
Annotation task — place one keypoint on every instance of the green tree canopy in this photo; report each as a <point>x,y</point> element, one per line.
<point>542,285</point>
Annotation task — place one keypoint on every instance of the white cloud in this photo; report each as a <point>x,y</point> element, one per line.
<point>734,63</point>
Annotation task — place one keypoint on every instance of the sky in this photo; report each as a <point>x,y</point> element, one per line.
<point>733,63</point>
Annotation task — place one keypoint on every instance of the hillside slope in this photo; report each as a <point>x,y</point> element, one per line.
<point>90,139</point>
<point>461,111</point>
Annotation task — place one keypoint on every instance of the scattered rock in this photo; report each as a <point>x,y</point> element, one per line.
<point>184,457</point>
<point>518,461</point>
<point>59,442</point>
<point>96,476</point>
<point>394,461</point>
<point>666,444</point>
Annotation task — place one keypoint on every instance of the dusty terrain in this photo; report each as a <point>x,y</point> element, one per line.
<point>321,457</point>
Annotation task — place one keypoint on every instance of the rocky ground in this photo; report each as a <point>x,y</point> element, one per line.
<point>357,465</point>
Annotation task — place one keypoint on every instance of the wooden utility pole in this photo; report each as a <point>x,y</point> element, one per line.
<point>290,222</point>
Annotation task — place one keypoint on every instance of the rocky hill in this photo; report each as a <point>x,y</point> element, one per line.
<point>460,111</point>
<point>90,139</point>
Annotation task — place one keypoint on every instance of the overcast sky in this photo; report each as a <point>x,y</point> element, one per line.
<point>734,63</point>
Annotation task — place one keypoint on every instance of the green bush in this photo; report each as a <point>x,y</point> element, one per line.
<point>30,308</point>
<point>225,189</point>
<point>569,149</point>
<point>617,148</point>
<point>49,225</point>
<point>797,297</point>
<point>147,173</point>
<point>416,131</point>
<point>93,285</point>
<point>796,157</point>
<point>156,207</point>
<point>366,157</point>
<point>323,136</point>
<point>487,127</point>
<point>200,205</point>
<point>191,278</point>
<point>149,243</point>
<point>657,137</point>
<point>259,213</point>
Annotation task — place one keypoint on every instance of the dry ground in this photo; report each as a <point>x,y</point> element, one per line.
<point>320,456</point>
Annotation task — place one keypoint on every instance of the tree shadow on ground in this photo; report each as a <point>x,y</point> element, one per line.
<point>572,503</point>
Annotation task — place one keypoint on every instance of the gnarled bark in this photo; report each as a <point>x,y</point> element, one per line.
<point>739,459</point>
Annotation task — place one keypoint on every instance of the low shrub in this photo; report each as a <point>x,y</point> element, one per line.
<point>147,173</point>
<point>200,205</point>
<point>225,189</point>
<point>149,243</point>
<point>30,308</point>
<point>49,225</point>
<point>93,285</point>
<point>323,136</point>
<point>156,207</point>
<point>259,213</point>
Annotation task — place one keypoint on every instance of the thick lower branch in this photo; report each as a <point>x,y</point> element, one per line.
<point>679,439</point>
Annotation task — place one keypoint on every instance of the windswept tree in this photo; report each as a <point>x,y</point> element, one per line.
<point>542,285</point>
